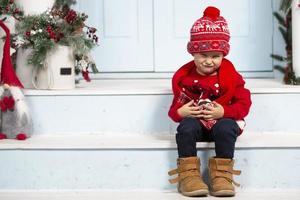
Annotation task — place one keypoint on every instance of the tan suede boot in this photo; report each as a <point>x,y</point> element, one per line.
<point>220,177</point>
<point>189,178</point>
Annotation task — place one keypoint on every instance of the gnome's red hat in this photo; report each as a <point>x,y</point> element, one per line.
<point>8,75</point>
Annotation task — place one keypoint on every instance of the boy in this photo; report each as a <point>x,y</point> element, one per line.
<point>210,102</point>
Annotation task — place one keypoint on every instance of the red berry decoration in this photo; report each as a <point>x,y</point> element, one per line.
<point>2,136</point>
<point>86,76</point>
<point>27,33</point>
<point>21,136</point>
<point>3,106</point>
<point>71,16</point>
<point>10,103</point>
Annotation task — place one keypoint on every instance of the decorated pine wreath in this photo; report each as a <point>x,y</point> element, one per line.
<point>60,25</point>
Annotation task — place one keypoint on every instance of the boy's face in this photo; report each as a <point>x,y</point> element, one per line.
<point>208,62</point>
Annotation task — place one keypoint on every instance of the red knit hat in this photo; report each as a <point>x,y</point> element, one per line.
<point>8,75</point>
<point>209,33</point>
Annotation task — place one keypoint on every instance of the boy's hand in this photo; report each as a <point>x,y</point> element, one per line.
<point>211,112</point>
<point>189,110</point>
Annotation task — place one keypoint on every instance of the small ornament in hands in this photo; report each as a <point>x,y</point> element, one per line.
<point>184,98</point>
<point>208,124</point>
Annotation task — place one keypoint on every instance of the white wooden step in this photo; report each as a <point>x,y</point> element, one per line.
<point>155,86</point>
<point>140,106</point>
<point>273,194</point>
<point>138,162</point>
<point>253,140</point>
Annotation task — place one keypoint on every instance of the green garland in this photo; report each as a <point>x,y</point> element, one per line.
<point>285,5</point>
<point>285,28</point>
<point>8,7</point>
<point>60,26</point>
<point>61,3</point>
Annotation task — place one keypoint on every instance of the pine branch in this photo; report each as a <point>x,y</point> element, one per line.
<point>289,59</point>
<point>280,68</point>
<point>61,3</point>
<point>8,7</point>
<point>39,54</point>
<point>80,44</point>
<point>278,58</point>
<point>94,68</point>
<point>284,34</point>
<point>289,35</point>
<point>280,18</point>
<point>285,5</point>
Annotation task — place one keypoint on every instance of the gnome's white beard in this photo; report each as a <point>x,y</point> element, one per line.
<point>20,106</point>
<point>1,90</point>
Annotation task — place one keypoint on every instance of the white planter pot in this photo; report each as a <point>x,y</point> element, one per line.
<point>58,73</point>
<point>34,7</point>
<point>59,68</point>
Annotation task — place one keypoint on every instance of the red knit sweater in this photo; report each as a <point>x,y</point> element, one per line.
<point>233,96</point>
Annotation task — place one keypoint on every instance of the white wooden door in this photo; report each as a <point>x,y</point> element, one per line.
<point>250,23</point>
<point>125,30</point>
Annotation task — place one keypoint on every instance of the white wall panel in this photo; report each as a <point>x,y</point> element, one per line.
<point>151,35</point>
<point>118,19</point>
<point>125,30</point>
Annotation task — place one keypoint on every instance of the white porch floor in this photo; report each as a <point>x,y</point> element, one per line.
<point>289,194</point>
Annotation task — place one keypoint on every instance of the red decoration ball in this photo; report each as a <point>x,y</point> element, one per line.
<point>2,136</point>
<point>21,136</point>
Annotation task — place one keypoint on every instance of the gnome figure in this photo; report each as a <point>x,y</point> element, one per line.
<point>15,120</point>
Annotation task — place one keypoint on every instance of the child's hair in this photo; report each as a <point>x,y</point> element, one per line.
<point>209,33</point>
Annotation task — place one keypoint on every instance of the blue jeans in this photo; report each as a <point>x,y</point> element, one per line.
<point>223,133</point>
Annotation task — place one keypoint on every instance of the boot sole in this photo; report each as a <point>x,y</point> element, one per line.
<point>196,193</point>
<point>223,193</point>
